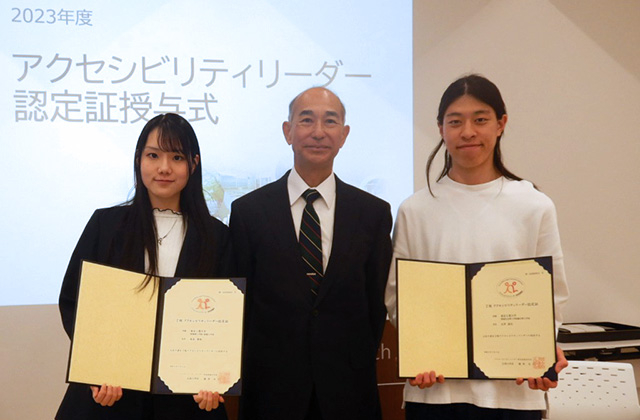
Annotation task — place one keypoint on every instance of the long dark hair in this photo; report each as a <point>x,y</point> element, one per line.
<point>175,134</point>
<point>485,91</point>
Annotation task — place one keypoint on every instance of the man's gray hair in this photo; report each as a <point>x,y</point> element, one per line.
<point>293,101</point>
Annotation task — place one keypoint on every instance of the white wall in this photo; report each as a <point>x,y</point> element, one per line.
<point>33,362</point>
<point>573,98</point>
<point>569,71</point>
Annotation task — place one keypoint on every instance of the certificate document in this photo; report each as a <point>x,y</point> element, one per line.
<point>183,336</point>
<point>490,320</point>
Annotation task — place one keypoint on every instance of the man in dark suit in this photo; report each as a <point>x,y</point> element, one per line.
<point>315,310</point>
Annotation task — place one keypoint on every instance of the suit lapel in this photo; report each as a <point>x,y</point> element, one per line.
<point>344,224</point>
<point>188,252</point>
<point>278,211</point>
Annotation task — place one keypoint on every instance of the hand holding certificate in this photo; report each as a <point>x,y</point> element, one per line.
<point>184,337</point>
<point>482,321</point>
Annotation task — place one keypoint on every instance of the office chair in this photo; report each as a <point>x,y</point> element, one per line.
<point>595,391</point>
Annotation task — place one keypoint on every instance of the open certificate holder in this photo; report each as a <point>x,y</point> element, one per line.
<point>184,337</point>
<point>476,321</point>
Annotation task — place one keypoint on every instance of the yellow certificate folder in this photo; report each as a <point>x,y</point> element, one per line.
<point>492,320</point>
<point>182,336</point>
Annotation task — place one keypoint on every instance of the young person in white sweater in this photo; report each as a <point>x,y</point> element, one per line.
<point>476,211</point>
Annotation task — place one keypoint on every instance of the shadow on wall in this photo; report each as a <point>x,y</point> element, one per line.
<point>606,28</point>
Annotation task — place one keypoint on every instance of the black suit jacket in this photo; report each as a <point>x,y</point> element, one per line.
<point>295,344</point>
<point>103,242</point>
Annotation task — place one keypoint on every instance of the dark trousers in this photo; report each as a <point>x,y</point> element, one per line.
<point>314,407</point>
<point>419,411</point>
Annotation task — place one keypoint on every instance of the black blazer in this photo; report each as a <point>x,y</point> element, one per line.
<point>293,343</point>
<point>104,229</point>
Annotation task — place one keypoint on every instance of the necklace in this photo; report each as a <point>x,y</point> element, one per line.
<point>168,232</point>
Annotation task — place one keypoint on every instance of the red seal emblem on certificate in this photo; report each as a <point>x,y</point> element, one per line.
<point>203,304</point>
<point>539,363</point>
<point>511,287</point>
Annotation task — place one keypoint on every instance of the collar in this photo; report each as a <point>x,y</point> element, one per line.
<point>296,186</point>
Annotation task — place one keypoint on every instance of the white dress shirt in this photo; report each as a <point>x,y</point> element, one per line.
<point>323,205</point>
<point>171,229</point>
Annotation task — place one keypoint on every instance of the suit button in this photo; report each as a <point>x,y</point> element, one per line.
<point>315,312</point>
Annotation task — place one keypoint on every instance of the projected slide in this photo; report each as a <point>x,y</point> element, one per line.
<point>81,78</point>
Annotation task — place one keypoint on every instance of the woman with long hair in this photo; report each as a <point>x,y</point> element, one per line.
<point>164,230</point>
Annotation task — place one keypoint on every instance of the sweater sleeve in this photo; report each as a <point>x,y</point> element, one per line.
<point>549,244</point>
<point>400,250</point>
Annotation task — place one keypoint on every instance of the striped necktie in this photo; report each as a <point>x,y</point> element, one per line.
<point>311,240</point>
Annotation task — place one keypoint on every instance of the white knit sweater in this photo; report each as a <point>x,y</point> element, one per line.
<point>499,220</point>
